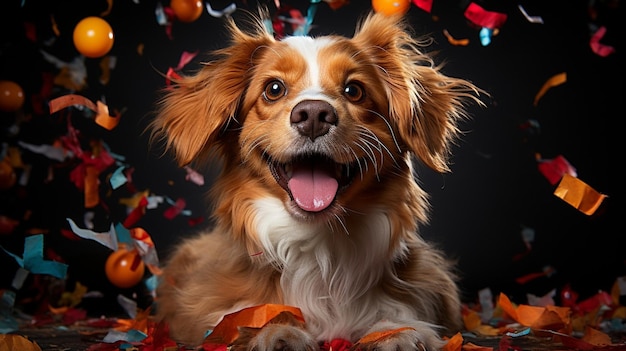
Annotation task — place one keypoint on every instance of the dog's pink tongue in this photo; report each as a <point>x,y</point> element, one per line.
<point>313,188</point>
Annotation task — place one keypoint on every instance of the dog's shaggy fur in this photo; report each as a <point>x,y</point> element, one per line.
<point>317,205</point>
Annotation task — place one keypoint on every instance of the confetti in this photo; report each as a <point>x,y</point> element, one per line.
<point>578,194</point>
<point>33,261</point>
<point>597,47</point>
<point>108,239</point>
<point>552,82</point>
<point>531,19</point>
<point>103,118</point>
<point>453,41</point>
<point>483,18</point>
<point>426,5</point>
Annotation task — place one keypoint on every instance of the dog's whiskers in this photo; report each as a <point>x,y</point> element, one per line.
<point>340,222</point>
<point>393,135</point>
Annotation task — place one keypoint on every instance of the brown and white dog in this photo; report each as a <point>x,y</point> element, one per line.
<point>317,205</point>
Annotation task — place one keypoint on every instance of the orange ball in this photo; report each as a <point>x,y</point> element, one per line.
<point>11,96</point>
<point>124,268</point>
<point>391,7</point>
<point>187,10</point>
<point>7,175</point>
<point>93,37</point>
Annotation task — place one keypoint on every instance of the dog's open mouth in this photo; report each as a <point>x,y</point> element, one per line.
<point>313,182</point>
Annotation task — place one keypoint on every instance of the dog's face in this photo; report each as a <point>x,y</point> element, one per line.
<point>326,124</point>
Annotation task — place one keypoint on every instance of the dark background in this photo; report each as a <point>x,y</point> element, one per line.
<point>479,210</point>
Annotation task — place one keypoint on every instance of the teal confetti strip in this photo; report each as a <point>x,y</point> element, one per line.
<point>118,178</point>
<point>123,234</point>
<point>8,323</point>
<point>310,15</point>
<point>33,261</point>
<point>519,333</point>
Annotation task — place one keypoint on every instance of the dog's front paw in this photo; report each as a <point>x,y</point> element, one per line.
<point>274,337</point>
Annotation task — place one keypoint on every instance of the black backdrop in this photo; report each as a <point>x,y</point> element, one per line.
<point>479,210</point>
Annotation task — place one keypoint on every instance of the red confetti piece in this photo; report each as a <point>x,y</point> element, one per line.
<point>597,47</point>
<point>555,168</point>
<point>426,5</point>
<point>484,18</point>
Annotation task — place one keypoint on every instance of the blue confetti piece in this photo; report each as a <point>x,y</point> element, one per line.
<point>485,36</point>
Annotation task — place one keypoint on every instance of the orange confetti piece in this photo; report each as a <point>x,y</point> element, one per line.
<point>455,343</point>
<point>550,317</point>
<point>10,342</point>
<point>454,41</point>
<point>92,196</point>
<point>471,320</point>
<point>55,27</point>
<point>552,82</point>
<point>578,194</point>
<point>487,330</point>
<point>103,118</point>
<point>376,336</point>
<point>596,337</point>
<point>473,347</point>
<point>227,330</point>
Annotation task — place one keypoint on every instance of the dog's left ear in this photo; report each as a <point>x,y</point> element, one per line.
<point>194,113</point>
<point>425,106</point>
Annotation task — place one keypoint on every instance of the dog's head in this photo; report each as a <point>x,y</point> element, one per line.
<point>325,124</point>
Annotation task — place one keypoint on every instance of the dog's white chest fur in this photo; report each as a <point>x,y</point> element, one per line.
<point>331,273</point>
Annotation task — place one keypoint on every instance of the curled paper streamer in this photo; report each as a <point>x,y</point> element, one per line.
<point>228,10</point>
<point>578,194</point>
<point>531,19</point>
<point>108,239</point>
<point>552,82</point>
<point>453,41</point>
<point>103,118</point>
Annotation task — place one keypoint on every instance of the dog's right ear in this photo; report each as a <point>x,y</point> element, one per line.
<point>196,109</point>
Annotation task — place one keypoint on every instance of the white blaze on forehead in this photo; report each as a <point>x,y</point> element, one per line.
<point>309,48</point>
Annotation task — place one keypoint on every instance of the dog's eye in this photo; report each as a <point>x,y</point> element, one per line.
<point>274,90</point>
<point>354,92</point>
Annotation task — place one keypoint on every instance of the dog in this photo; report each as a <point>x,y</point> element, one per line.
<point>318,204</point>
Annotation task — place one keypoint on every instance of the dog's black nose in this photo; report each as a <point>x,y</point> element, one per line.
<point>313,118</point>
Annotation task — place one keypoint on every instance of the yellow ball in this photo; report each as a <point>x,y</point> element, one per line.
<point>11,96</point>
<point>391,7</point>
<point>93,37</point>
<point>187,10</point>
